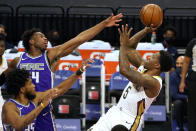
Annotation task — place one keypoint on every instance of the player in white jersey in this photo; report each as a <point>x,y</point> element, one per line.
<point>144,85</point>
<point>3,67</point>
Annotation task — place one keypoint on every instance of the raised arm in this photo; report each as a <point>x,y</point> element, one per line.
<point>86,35</point>
<point>150,84</point>
<point>131,43</point>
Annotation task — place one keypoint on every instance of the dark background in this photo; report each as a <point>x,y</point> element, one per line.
<point>79,19</point>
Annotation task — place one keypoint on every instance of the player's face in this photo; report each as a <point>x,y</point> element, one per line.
<point>30,90</point>
<point>40,41</point>
<point>2,47</point>
<point>152,61</point>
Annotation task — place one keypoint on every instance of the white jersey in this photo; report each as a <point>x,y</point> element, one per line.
<point>129,110</point>
<point>3,67</point>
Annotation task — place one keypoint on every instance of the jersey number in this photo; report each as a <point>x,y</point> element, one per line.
<point>35,75</point>
<point>126,92</point>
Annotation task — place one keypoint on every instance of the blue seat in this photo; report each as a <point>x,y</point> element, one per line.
<point>95,69</point>
<point>62,75</point>
<point>117,84</point>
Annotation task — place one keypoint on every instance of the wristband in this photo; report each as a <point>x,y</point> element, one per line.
<point>42,105</point>
<point>79,72</point>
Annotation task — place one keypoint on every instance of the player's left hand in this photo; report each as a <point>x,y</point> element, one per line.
<point>85,64</point>
<point>124,34</point>
<point>113,20</point>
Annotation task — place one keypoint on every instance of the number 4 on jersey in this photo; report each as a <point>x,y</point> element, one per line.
<point>35,75</point>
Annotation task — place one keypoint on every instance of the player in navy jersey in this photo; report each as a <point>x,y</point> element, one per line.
<point>20,112</point>
<point>39,61</point>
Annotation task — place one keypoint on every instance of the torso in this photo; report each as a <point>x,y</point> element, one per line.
<point>42,76</point>
<point>136,102</point>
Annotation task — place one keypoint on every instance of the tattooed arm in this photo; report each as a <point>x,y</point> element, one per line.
<point>151,85</point>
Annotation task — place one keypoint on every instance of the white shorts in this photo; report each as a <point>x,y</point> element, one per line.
<point>113,117</point>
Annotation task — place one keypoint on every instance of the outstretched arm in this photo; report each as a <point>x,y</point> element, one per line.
<point>150,84</point>
<point>65,85</point>
<point>69,46</point>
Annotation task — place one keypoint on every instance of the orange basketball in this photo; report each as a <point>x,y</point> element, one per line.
<point>151,14</point>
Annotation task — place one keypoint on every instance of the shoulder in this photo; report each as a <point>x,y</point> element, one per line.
<point>9,106</point>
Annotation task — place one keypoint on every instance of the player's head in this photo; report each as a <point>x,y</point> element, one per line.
<point>161,61</point>
<point>19,82</point>
<point>119,128</point>
<point>34,39</point>
<point>179,61</point>
<point>2,44</point>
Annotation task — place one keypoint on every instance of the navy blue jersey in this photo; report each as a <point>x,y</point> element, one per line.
<point>23,111</point>
<point>42,77</point>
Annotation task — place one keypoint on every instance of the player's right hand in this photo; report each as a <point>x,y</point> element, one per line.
<point>51,95</point>
<point>151,28</point>
<point>124,33</point>
<point>181,87</point>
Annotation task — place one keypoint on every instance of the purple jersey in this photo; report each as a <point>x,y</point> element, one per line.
<point>23,111</point>
<point>40,71</point>
<point>42,77</point>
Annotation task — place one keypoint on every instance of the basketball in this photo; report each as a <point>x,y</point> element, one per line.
<point>151,14</point>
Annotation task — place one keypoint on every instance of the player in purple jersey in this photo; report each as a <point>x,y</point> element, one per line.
<point>20,112</point>
<point>39,61</point>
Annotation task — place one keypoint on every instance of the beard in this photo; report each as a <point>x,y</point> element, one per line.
<point>30,96</point>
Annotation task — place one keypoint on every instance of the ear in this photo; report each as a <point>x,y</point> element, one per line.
<point>31,41</point>
<point>22,89</point>
<point>157,66</point>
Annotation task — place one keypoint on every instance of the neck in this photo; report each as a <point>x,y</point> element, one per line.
<point>34,52</point>
<point>22,99</point>
<point>153,72</point>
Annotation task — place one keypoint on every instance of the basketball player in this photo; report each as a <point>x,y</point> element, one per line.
<point>39,61</point>
<point>20,112</point>
<point>144,85</point>
<point>3,67</point>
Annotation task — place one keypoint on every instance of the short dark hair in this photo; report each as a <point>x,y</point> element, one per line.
<point>119,128</point>
<point>166,61</point>
<point>27,36</point>
<point>171,28</point>
<point>15,80</point>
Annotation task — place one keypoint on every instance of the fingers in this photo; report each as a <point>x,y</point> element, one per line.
<point>119,31</point>
<point>129,32</point>
<point>86,65</point>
